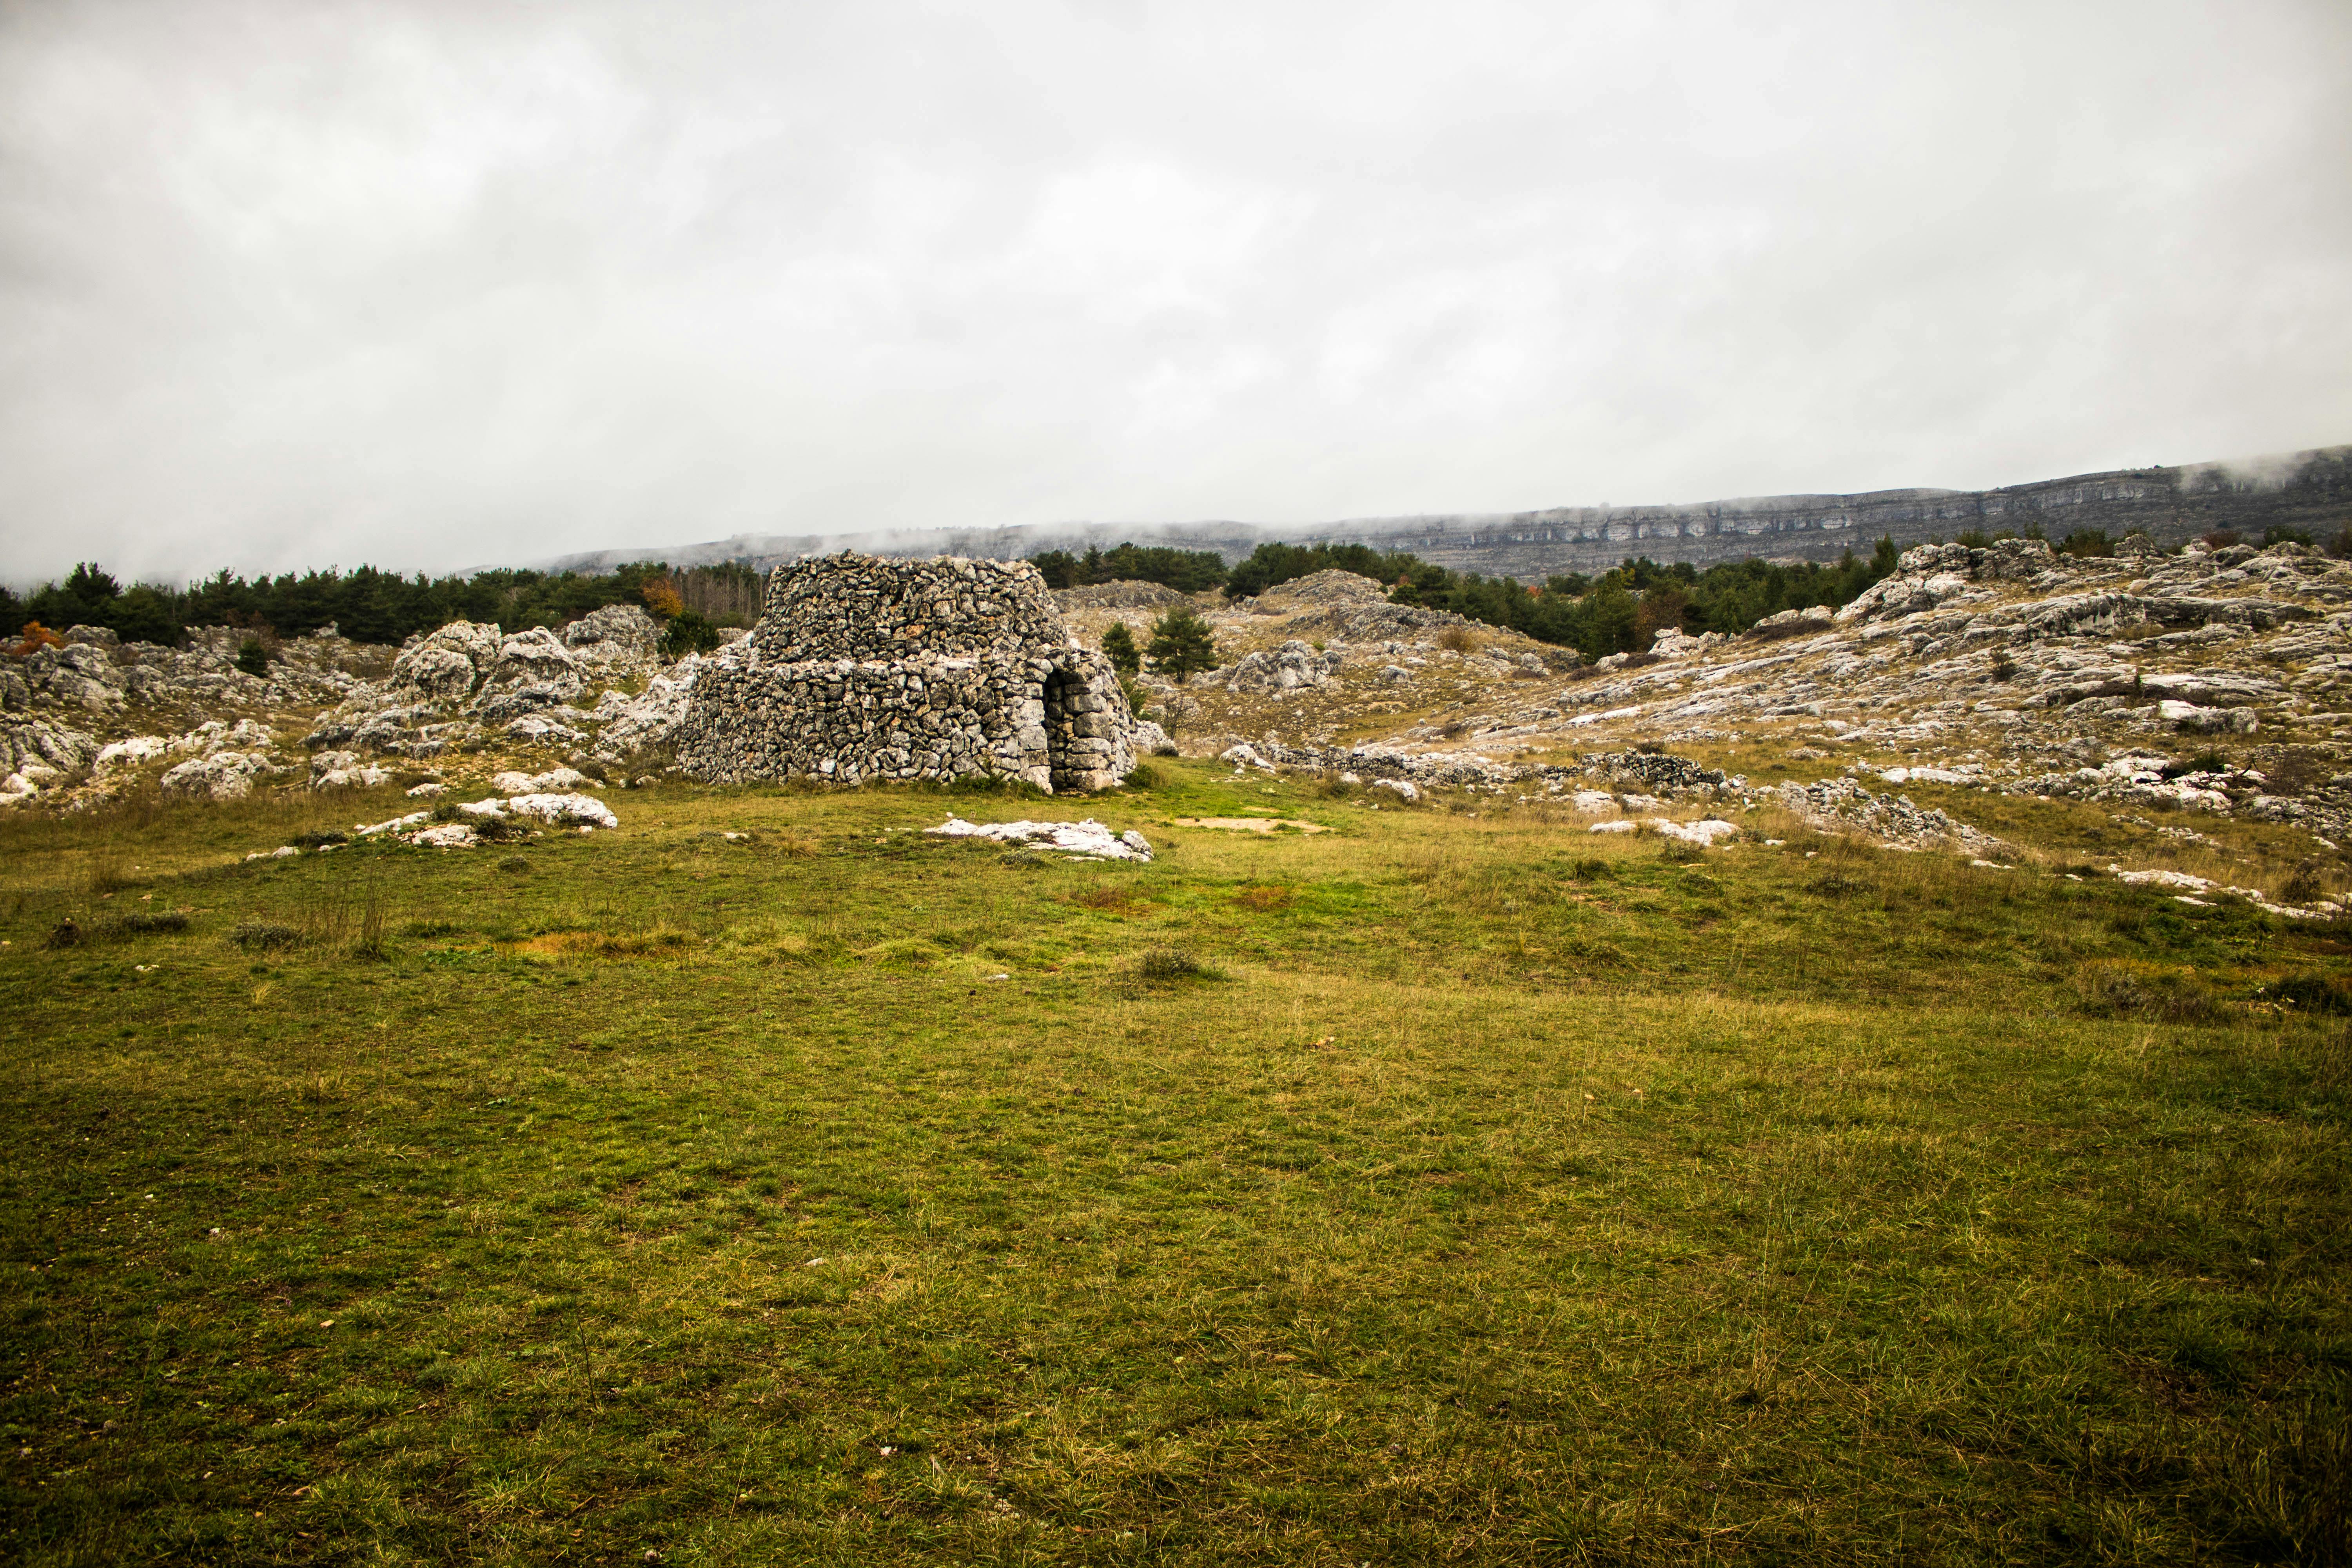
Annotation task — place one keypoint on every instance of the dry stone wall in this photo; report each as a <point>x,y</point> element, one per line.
<point>869,669</point>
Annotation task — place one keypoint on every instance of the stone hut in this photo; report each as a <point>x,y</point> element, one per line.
<point>869,669</point>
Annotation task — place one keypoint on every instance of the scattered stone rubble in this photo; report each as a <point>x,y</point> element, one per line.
<point>2322,909</point>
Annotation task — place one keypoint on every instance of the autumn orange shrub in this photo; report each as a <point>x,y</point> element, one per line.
<point>34,635</point>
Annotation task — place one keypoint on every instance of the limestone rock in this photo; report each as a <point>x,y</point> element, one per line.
<point>1088,840</point>
<point>617,642</point>
<point>554,779</point>
<point>1703,832</point>
<point>539,659</point>
<point>62,750</point>
<point>446,663</point>
<point>1292,665</point>
<point>130,752</point>
<point>219,775</point>
<point>2192,719</point>
<point>344,770</point>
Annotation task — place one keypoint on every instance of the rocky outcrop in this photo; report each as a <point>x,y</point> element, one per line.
<point>1292,665</point>
<point>445,665</point>
<point>1123,595</point>
<point>219,775</point>
<point>619,642</point>
<point>864,668</point>
<point>1841,803</point>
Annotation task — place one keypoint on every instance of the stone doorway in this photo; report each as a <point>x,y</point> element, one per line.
<point>1062,691</point>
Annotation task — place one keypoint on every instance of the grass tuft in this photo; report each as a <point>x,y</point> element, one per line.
<point>1173,964</point>
<point>258,936</point>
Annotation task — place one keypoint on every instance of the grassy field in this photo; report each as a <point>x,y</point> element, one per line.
<point>1444,1187</point>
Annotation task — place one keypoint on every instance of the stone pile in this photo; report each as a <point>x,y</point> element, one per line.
<point>867,668</point>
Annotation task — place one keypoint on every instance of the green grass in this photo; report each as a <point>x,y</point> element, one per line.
<point>1476,1191</point>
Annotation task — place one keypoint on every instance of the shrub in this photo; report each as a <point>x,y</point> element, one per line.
<point>2310,993</point>
<point>1143,775</point>
<point>145,922</point>
<point>499,829</point>
<point>1589,870</point>
<point>2087,544</point>
<point>34,635</point>
<point>2220,539</point>
<point>66,934</point>
<point>2003,667</point>
<point>253,658</point>
<point>1459,639</point>
<point>2202,762</point>
<point>2121,988</point>
<point>1679,853</point>
<point>2280,533</point>
<point>689,632</point>
<point>514,863</point>
<point>2305,885</point>
<point>1171,964</point>
<point>255,935</point>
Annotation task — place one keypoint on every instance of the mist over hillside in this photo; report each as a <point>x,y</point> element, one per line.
<point>2311,490</point>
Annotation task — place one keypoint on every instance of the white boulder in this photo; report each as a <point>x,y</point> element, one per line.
<point>1088,839</point>
<point>220,775</point>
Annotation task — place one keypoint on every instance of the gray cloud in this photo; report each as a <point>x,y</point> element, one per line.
<point>435,285</point>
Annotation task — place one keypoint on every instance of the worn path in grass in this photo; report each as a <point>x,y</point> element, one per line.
<point>1498,1198</point>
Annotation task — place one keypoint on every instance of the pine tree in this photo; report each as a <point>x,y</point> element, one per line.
<point>1182,645</point>
<point>1118,647</point>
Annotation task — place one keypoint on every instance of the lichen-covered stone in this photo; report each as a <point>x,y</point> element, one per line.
<point>867,668</point>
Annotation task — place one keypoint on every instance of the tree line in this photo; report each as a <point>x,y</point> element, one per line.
<point>371,605</point>
<point>1618,611</point>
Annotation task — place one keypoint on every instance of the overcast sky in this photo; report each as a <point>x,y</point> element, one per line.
<point>435,285</point>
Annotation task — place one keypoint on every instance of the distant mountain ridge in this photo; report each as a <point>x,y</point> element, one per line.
<point>2311,490</point>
